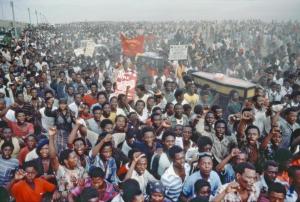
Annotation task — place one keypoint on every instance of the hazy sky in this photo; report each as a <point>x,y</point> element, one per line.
<point>151,10</point>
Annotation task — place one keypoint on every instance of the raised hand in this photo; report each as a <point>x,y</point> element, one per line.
<point>235,152</point>
<point>232,187</point>
<point>52,131</point>
<point>137,156</point>
<point>14,105</point>
<point>166,124</point>
<point>78,122</point>
<point>20,174</point>
<point>247,116</point>
<point>108,138</point>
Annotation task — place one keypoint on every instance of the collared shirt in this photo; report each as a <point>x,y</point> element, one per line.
<point>274,96</point>
<point>183,121</point>
<point>220,148</point>
<point>173,183</point>
<point>235,197</point>
<point>110,169</point>
<point>287,130</point>
<point>214,181</point>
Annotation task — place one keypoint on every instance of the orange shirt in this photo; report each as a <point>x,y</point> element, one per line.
<point>89,100</point>
<point>122,171</point>
<point>22,192</point>
<point>284,177</point>
<point>295,162</point>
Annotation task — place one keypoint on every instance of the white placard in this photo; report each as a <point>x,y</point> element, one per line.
<point>79,51</point>
<point>178,52</point>
<point>90,48</point>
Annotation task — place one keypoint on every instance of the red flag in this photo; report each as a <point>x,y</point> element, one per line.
<point>131,47</point>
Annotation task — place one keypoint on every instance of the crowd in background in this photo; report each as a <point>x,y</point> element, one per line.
<point>67,135</point>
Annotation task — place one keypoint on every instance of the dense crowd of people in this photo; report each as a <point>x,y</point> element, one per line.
<point>68,135</point>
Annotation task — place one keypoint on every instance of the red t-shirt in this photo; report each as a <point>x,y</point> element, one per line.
<point>89,100</point>
<point>22,155</point>
<point>19,131</point>
<point>22,192</point>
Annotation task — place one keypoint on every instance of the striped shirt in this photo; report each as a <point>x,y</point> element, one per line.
<point>173,183</point>
<point>7,170</point>
<point>110,167</point>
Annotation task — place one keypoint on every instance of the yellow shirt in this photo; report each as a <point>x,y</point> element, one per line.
<point>192,99</point>
<point>111,117</point>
